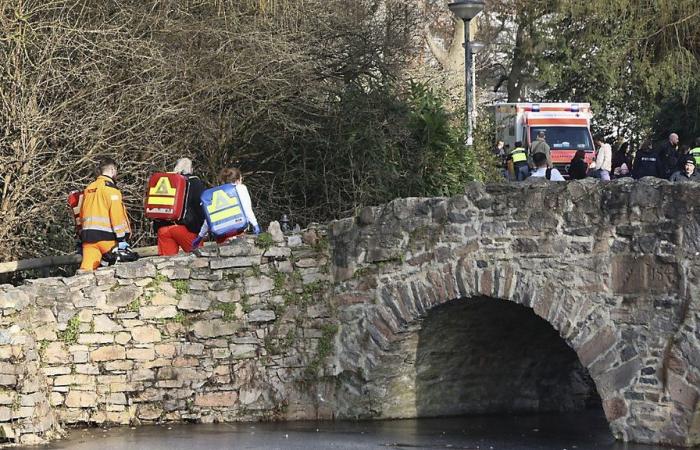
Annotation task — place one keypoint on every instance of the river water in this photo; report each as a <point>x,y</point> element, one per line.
<point>577,431</point>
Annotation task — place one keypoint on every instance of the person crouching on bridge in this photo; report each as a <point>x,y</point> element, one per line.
<point>104,223</point>
<point>181,234</point>
<point>232,175</point>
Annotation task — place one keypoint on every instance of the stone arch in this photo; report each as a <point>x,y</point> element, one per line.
<point>365,339</point>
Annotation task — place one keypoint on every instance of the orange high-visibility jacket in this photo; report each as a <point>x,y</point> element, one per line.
<point>102,214</point>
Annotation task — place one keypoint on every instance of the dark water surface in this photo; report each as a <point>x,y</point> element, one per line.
<point>578,431</point>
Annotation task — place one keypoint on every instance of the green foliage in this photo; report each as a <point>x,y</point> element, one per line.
<point>323,350</point>
<point>134,306</point>
<point>245,304</point>
<point>264,240</point>
<point>70,334</point>
<point>180,318</point>
<point>279,279</point>
<point>157,281</point>
<point>181,287</point>
<point>229,310</point>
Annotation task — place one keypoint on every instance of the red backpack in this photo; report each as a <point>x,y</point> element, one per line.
<point>75,201</point>
<point>165,196</point>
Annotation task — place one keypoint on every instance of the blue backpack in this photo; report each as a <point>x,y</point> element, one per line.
<point>223,210</point>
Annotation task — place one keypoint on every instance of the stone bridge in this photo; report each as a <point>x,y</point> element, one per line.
<point>511,298</point>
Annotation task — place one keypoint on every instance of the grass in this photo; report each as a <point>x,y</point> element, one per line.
<point>264,241</point>
<point>181,287</point>
<point>134,306</point>
<point>70,334</point>
<point>229,310</point>
<point>279,279</point>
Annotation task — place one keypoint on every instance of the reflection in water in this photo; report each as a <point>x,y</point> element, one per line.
<point>580,431</point>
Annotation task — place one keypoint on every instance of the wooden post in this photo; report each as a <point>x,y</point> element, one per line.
<point>60,260</point>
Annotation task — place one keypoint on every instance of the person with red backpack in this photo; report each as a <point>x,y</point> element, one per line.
<point>172,202</point>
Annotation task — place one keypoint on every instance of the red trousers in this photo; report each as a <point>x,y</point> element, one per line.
<point>172,237</point>
<point>233,235</point>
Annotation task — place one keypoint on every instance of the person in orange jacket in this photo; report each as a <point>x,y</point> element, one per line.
<point>104,222</point>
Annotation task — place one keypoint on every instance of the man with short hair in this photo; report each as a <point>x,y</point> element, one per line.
<point>540,146</point>
<point>104,223</point>
<point>688,174</point>
<point>668,154</point>
<point>542,171</point>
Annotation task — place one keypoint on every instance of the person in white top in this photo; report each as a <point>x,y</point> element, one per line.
<point>233,176</point>
<point>541,170</point>
<point>602,165</point>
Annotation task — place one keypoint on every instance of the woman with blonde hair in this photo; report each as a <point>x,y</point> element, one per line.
<point>232,175</point>
<point>175,235</point>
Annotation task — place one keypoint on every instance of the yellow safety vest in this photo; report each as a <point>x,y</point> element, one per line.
<point>518,154</point>
<point>695,153</point>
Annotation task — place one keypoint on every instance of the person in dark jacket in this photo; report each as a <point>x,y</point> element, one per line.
<point>578,166</point>
<point>647,162</point>
<point>688,173</point>
<point>668,155</point>
<point>173,236</point>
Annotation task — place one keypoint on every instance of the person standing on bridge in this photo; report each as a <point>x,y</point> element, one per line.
<point>602,166</point>
<point>104,222</point>
<point>518,156</point>
<point>647,162</point>
<point>233,176</point>
<point>540,146</point>
<point>173,236</point>
<point>668,155</point>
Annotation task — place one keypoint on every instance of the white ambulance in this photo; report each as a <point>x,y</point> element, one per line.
<point>567,128</point>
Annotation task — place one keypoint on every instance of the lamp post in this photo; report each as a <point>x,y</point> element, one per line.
<point>467,10</point>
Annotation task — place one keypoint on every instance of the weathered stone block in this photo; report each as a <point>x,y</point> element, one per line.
<point>216,399</point>
<point>123,296</point>
<point>259,285</point>
<point>161,298</point>
<point>145,334</point>
<point>261,315</point>
<point>56,353</point>
<point>139,269</point>
<point>214,328</point>
<point>108,353</point>
<point>157,312</point>
<point>141,354</point>
<point>243,351</point>
<point>95,338</point>
<point>240,261</point>
<point>165,350</point>
<point>190,302</point>
<point>103,324</point>
<point>81,399</point>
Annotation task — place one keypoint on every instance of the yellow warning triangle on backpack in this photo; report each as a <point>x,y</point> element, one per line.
<point>163,188</point>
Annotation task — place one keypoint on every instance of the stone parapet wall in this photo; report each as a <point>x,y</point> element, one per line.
<point>239,333</point>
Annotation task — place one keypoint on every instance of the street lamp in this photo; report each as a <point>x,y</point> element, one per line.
<point>467,10</point>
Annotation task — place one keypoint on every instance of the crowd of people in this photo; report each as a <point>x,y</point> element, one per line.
<point>668,160</point>
<point>104,227</point>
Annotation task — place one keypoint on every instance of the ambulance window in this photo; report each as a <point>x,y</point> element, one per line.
<point>564,138</point>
